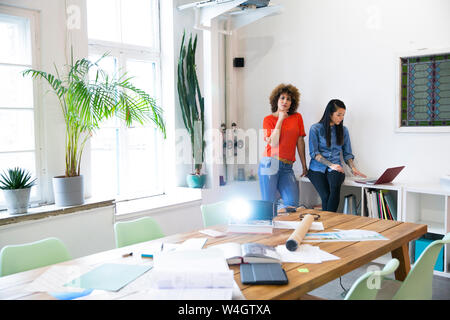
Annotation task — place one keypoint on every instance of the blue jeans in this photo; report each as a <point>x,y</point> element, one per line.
<point>277,178</point>
<point>328,185</point>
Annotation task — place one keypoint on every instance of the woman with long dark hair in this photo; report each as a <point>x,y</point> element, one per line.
<point>284,134</point>
<point>327,140</point>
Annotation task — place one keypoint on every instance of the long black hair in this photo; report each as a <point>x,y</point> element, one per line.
<point>331,108</point>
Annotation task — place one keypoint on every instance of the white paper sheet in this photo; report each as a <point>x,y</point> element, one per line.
<point>304,254</point>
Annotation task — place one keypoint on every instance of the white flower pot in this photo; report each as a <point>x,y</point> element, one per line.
<point>17,200</point>
<point>68,191</point>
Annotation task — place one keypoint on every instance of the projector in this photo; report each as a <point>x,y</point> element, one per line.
<point>257,3</point>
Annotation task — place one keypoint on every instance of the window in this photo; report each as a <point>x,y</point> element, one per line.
<point>425,91</point>
<point>17,100</point>
<point>127,162</point>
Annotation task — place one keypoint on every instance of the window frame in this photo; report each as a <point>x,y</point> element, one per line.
<point>398,96</point>
<point>40,157</point>
<point>124,52</point>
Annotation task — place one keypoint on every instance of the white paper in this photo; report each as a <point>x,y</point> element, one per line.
<point>181,279</point>
<point>344,235</point>
<point>213,233</point>
<point>192,244</point>
<point>315,226</point>
<point>304,254</point>
<point>182,294</point>
<point>53,279</point>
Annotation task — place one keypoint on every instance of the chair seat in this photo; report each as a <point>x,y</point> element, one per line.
<point>388,289</point>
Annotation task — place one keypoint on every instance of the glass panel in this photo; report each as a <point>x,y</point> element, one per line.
<point>103,20</point>
<point>15,40</point>
<point>144,75</point>
<point>16,130</point>
<point>104,159</point>
<point>140,175</point>
<point>138,22</point>
<point>25,160</point>
<point>16,91</point>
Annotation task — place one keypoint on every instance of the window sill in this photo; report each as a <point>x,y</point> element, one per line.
<point>51,210</point>
<point>176,198</point>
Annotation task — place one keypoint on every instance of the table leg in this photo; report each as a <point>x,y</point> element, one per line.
<point>402,254</point>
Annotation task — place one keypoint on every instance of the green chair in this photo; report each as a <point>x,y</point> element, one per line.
<point>214,214</point>
<point>139,230</point>
<point>418,284</point>
<point>366,289</point>
<point>18,258</point>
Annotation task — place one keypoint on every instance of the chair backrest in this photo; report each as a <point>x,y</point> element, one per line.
<point>368,285</point>
<point>217,213</point>
<point>139,230</point>
<point>23,257</point>
<point>418,284</point>
<point>214,213</point>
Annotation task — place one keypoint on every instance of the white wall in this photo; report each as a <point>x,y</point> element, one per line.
<point>347,49</point>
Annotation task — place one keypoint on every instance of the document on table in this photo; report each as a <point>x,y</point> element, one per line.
<point>53,279</point>
<point>305,254</point>
<point>344,235</point>
<point>109,276</point>
<point>280,224</point>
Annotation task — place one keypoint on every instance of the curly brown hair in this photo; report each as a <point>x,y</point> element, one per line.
<point>291,90</point>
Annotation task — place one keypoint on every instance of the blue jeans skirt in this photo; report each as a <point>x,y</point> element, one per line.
<point>276,179</point>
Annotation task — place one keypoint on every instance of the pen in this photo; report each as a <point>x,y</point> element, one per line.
<point>162,246</point>
<point>146,255</point>
<point>127,255</point>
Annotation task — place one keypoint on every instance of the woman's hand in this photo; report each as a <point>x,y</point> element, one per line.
<point>282,115</point>
<point>356,172</point>
<point>305,172</point>
<point>337,168</point>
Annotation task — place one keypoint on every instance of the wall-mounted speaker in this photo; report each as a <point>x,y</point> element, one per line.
<point>238,62</point>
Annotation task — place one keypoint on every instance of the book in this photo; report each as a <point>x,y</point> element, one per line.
<point>236,253</point>
<point>251,226</point>
<point>392,205</point>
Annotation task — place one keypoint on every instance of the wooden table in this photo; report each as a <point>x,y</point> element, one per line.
<point>352,255</point>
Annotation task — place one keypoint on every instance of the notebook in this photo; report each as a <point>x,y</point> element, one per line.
<point>386,177</point>
<point>263,273</point>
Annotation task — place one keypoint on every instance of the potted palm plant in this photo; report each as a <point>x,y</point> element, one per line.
<point>87,96</point>
<point>192,108</point>
<point>16,184</point>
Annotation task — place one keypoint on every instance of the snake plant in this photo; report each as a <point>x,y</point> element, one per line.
<point>191,101</point>
<point>16,178</point>
<point>86,101</point>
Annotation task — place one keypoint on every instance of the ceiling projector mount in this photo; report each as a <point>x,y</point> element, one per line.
<point>238,12</point>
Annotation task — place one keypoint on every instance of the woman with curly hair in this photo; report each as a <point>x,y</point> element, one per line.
<point>284,134</point>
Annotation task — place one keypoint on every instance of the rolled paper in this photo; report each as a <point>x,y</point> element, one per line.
<point>297,236</point>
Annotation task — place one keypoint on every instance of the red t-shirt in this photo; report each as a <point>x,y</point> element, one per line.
<point>291,129</point>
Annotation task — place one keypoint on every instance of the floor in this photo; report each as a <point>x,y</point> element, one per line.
<point>334,291</point>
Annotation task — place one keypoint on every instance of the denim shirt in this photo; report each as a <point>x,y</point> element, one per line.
<point>318,145</point>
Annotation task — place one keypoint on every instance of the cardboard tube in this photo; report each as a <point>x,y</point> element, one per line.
<point>297,236</point>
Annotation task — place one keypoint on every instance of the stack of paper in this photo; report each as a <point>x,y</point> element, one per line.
<point>198,274</point>
<point>305,254</point>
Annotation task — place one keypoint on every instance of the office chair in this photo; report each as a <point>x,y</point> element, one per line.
<point>362,290</point>
<point>23,257</point>
<point>418,284</point>
<point>139,230</point>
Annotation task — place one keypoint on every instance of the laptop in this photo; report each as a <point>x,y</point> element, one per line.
<point>386,177</point>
